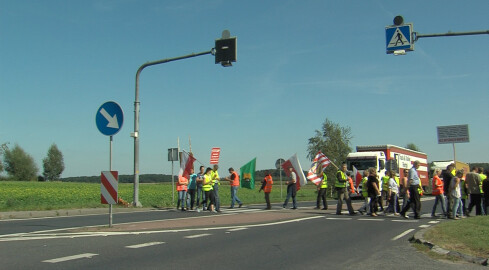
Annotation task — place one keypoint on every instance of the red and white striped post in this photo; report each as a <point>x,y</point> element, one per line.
<point>108,190</point>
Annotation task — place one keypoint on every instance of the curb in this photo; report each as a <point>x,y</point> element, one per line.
<point>418,238</point>
<point>65,213</point>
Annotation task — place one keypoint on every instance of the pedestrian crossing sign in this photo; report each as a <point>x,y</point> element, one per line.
<point>399,37</point>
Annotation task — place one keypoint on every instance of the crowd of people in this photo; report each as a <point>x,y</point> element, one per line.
<point>201,190</point>
<point>451,189</point>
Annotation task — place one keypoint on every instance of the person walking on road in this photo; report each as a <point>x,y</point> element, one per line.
<point>192,187</point>
<point>373,191</point>
<point>291,189</point>
<point>414,186</point>
<point>456,195</point>
<point>182,192</point>
<point>438,193</point>
<point>215,187</point>
<point>209,194</point>
<point>266,186</point>
<point>447,175</point>
<point>366,205</point>
<point>233,179</point>
<point>393,190</point>
<point>342,192</point>
<point>200,191</point>
<point>473,182</point>
<point>321,188</point>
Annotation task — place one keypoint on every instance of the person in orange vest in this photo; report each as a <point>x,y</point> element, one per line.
<point>438,192</point>
<point>234,181</point>
<point>266,186</point>
<point>182,192</point>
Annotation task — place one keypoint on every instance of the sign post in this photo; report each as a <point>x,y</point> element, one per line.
<point>278,165</point>
<point>109,119</point>
<point>172,156</point>
<point>215,153</point>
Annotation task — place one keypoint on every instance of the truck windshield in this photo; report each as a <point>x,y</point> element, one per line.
<point>361,164</point>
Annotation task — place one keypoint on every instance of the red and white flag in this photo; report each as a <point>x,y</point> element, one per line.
<point>215,153</point>
<point>293,162</point>
<point>186,163</point>
<point>357,177</point>
<point>319,160</point>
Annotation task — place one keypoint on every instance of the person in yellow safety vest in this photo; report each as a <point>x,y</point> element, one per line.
<point>215,187</point>
<point>322,187</point>
<point>266,186</point>
<point>483,177</point>
<point>366,205</point>
<point>207,187</point>
<point>384,190</point>
<point>182,192</point>
<point>342,192</point>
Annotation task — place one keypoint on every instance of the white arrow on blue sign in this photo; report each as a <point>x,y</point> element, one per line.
<point>399,38</point>
<point>109,118</point>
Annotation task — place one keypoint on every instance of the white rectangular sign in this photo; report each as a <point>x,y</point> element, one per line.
<point>453,134</point>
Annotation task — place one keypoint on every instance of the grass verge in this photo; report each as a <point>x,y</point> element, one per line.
<point>469,236</point>
<point>34,196</point>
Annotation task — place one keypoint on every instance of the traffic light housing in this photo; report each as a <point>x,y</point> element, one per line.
<point>225,51</point>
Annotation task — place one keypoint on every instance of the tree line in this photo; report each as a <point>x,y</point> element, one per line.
<point>20,166</point>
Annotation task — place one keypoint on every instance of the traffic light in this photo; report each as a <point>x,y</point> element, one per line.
<point>225,51</point>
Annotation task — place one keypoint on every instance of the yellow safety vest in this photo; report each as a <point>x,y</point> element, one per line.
<point>207,185</point>
<point>483,177</point>
<point>341,184</point>
<point>215,177</point>
<point>385,183</point>
<point>364,187</point>
<point>324,182</point>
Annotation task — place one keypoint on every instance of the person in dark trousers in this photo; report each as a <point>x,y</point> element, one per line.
<point>342,191</point>
<point>473,182</point>
<point>322,187</point>
<point>266,186</point>
<point>373,191</point>
<point>414,196</point>
<point>291,189</point>
<point>447,178</point>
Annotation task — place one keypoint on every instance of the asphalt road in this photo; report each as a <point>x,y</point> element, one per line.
<point>305,239</point>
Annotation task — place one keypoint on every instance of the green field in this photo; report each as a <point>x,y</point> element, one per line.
<point>31,196</point>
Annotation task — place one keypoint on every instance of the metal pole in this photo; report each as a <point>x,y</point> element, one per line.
<point>281,185</point>
<point>136,118</point>
<point>172,184</point>
<point>454,156</point>
<point>416,35</point>
<point>110,169</point>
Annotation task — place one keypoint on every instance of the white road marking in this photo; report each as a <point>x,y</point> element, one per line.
<point>434,222</point>
<point>197,235</point>
<point>339,218</point>
<point>371,219</point>
<point>145,245</point>
<point>402,234</point>
<point>38,236</point>
<point>69,258</point>
<point>237,229</point>
<point>424,226</point>
<point>405,220</point>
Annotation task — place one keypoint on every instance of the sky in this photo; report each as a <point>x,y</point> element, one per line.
<point>298,63</point>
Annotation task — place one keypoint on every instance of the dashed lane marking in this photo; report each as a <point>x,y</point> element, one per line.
<point>424,226</point>
<point>402,234</point>
<point>197,235</point>
<point>70,258</point>
<point>145,245</point>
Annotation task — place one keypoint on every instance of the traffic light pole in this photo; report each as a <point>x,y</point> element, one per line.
<point>136,118</point>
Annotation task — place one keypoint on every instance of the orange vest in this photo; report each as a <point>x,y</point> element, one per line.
<point>437,186</point>
<point>268,185</point>
<point>352,187</point>
<point>182,184</point>
<point>235,182</point>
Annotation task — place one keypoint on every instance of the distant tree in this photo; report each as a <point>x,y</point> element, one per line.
<point>332,140</point>
<point>53,164</point>
<point>413,147</point>
<point>19,165</point>
<point>3,148</point>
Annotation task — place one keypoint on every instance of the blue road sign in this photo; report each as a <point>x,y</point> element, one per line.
<point>399,38</point>
<point>109,118</point>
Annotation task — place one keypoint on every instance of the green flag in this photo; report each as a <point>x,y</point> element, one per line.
<point>247,174</point>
